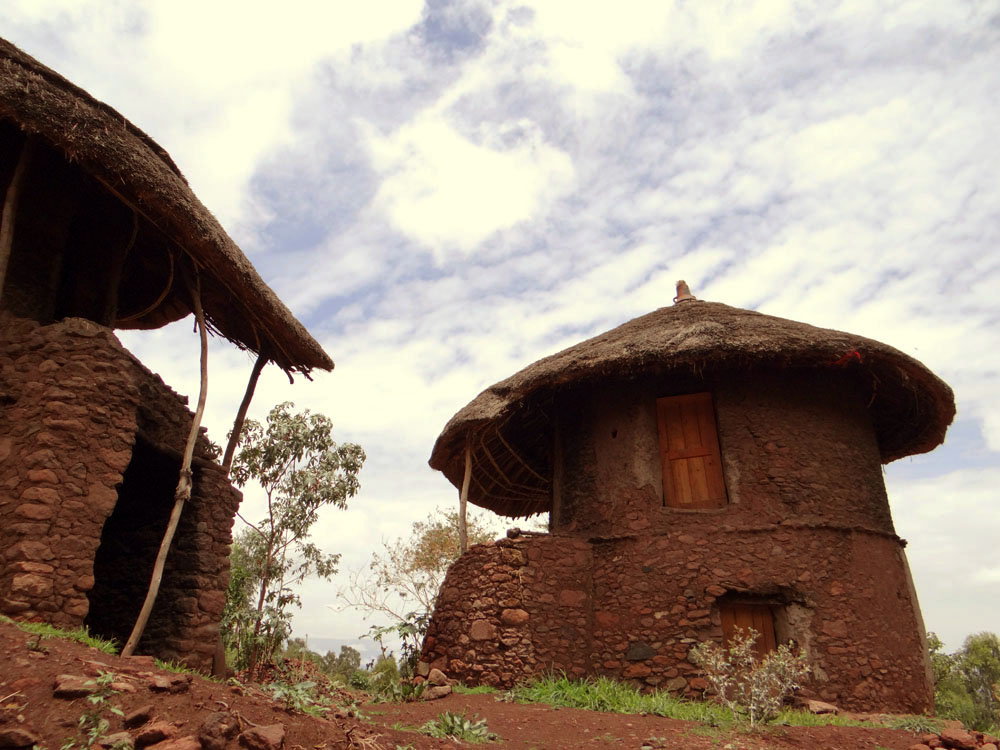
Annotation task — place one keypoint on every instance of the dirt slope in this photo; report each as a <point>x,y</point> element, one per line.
<point>190,712</point>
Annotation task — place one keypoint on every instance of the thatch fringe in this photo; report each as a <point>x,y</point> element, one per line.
<point>134,168</point>
<point>910,407</point>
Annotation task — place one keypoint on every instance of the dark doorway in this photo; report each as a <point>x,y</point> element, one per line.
<point>130,540</point>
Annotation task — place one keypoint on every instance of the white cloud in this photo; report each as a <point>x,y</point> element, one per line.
<point>450,193</point>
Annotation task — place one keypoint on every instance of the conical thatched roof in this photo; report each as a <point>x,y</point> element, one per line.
<point>508,425</point>
<point>130,165</point>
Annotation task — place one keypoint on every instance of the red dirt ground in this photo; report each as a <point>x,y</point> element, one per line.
<point>28,670</point>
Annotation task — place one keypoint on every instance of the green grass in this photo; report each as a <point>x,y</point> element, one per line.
<point>914,723</point>
<point>476,690</point>
<point>80,635</point>
<point>795,717</point>
<point>605,694</point>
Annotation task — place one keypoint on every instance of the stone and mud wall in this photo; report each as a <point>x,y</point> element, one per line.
<point>90,445</point>
<point>632,609</point>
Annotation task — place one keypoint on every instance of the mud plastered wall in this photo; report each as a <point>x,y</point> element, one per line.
<point>795,445</point>
<point>79,417</point>
<point>633,608</point>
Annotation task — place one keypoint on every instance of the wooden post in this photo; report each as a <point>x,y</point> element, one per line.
<point>241,413</point>
<point>463,500</point>
<point>183,492</point>
<point>9,213</point>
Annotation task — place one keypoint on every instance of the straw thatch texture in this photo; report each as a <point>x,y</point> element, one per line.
<point>129,164</point>
<point>509,426</point>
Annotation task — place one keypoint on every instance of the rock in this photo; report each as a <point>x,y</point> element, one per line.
<point>988,746</point>
<point>217,729</point>
<point>119,740</point>
<point>436,691</point>
<point>958,738</point>
<point>180,683</point>
<point>437,677</point>
<point>138,717</point>
<point>678,683</point>
<point>918,746</point>
<point>423,668</point>
<point>636,670</point>
<point>188,742</point>
<point>821,707</point>
<point>18,738</point>
<point>70,687</point>
<point>158,683</point>
<point>481,630</point>
<point>514,617</point>
<point>640,651</point>
<point>155,733</point>
<point>271,737</point>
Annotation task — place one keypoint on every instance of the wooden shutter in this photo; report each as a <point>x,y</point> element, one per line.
<point>689,452</point>
<point>746,615</point>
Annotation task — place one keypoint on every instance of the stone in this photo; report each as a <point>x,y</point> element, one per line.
<point>155,733</point>
<point>835,628</point>
<point>958,739</point>
<point>138,717</point>
<point>606,619</point>
<point>572,597</point>
<point>821,707</point>
<point>18,737</point>
<point>481,630</point>
<point>437,677</point>
<point>188,742</point>
<point>217,730</point>
<point>70,687</point>
<point>640,651</point>
<point>270,737</point>
<point>919,746</point>
<point>636,670</point>
<point>678,683</point>
<point>436,691</point>
<point>514,617</point>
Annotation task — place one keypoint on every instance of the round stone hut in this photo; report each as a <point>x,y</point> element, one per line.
<point>100,231</point>
<point>705,468</point>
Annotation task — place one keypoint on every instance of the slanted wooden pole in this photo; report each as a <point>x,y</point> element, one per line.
<point>241,413</point>
<point>9,213</point>
<point>183,492</point>
<point>463,501</point>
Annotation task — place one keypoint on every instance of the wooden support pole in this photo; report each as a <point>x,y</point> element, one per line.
<point>241,413</point>
<point>463,501</point>
<point>9,213</point>
<point>183,492</point>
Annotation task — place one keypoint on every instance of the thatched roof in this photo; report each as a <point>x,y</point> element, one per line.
<point>509,427</point>
<point>129,164</point>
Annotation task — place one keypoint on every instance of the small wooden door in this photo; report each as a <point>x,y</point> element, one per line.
<point>746,615</point>
<point>689,452</point>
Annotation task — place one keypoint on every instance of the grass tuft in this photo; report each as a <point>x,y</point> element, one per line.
<point>80,635</point>
<point>475,690</point>
<point>610,696</point>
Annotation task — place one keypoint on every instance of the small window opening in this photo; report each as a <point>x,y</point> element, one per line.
<point>689,452</point>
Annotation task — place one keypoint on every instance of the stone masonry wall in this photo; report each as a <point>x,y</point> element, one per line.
<point>632,608</point>
<point>73,403</point>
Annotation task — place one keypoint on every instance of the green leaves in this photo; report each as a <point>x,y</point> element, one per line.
<point>967,682</point>
<point>302,469</point>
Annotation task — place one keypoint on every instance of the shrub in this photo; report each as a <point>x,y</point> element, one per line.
<point>457,726</point>
<point>753,690</point>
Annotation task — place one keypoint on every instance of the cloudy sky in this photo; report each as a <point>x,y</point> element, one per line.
<point>445,191</point>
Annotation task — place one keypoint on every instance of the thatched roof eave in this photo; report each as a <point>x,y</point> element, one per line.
<point>89,133</point>
<point>911,407</point>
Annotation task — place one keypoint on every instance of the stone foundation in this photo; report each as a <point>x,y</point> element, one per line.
<point>90,449</point>
<point>632,608</point>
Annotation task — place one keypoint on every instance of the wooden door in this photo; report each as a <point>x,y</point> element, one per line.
<point>747,615</point>
<point>689,452</point>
